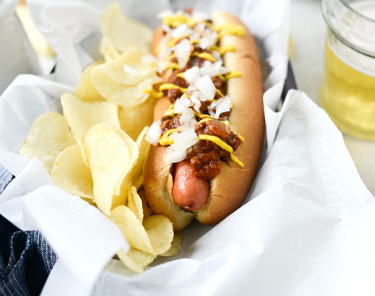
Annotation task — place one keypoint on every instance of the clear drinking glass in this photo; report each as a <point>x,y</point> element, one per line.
<point>348,92</point>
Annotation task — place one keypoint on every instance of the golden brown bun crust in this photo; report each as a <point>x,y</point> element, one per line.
<point>230,187</point>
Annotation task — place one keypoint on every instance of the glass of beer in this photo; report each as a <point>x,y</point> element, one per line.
<point>348,92</point>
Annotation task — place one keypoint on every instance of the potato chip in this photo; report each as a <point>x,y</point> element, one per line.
<point>175,246</point>
<point>124,95</point>
<point>107,49</point>
<point>85,90</point>
<point>133,119</point>
<point>140,257</point>
<point>130,263</point>
<point>136,176</point>
<point>48,136</point>
<point>71,174</point>
<point>147,212</point>
<point>160,231</point>
<point>135,203</point>
<point>125,81</point>
<point>112,155</point>
<point>127,69</point>
<point>90,201</point>
<point>124,32</point>
<point>81,116</point>
<point>132,229</point>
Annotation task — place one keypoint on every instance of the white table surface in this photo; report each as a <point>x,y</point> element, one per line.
<point>308,30</point>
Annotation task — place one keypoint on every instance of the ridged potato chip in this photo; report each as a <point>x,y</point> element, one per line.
<point>127,69</point>
<point>71,174</point>
<point>107,49</point>
<point>147,212</point>
<point>130,263</point>
<point>49,135</point>
<point>133,119</point>
<point>132,229</point>
<point>175,246</point>
<point>121,88</point>
<point>81,116</point>
<point>85,90</point>
<point>140,257</point>
<point>160,231</point>
<point>124,32</point>
<point>135,203</point>
<point>136,175</point>
<point>111,155</point>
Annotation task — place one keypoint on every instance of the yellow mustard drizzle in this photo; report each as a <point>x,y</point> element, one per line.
<point>167,86</point>
<point>181,75</point>
<point>171,56</point>
<point>217,141</point>
<point>231,29</point>
<point>194,41</point>
<point>200,115</point>
<point>236,160</point>
<point>223,49</point>
<point>170,111</point>
<point>153,94</point>
<point>232,74</point>
<point>222,145</point>
<point>174,66</point>
<point>205,55</point>
<point>220,93</point>
<point>205,119</point>
<point>165,140</point>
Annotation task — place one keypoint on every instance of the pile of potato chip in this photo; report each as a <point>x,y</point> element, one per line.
<point>97,149</point>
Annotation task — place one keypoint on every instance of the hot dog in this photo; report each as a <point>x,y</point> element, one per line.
<point>212,176</point>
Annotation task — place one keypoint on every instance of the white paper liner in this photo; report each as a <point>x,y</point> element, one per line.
<point>308,230</point>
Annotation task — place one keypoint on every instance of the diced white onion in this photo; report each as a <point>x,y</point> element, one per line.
<point>216,55</point>
<point>199,27</point>
<point>188,117</point>
<point>197,102</point>
<point>182,104</point>
<point>166,28</point>
<point>195,36</point>
<point>205,86</point>
<point>199,95</point>
<point>181,31</point>
<point>223,70</point>
<point>153,134</point>
<point>211,69</point>
<point>211,35</point>
<point>185,139</point>
<point>191,74</point>
<point>130,70</point>
<point>222,105</point>
<point>182,51</point>
<point>174,156</point>
<point>204,42</point>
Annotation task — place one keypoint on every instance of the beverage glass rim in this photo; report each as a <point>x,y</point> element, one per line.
<point>348,6</point>
<point>334,8</point>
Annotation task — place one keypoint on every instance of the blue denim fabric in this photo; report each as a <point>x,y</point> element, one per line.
<point>26,259</point>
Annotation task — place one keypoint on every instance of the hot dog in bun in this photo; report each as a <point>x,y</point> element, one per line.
<point>209,125</point>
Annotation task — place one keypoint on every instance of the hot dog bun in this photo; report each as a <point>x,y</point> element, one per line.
<point>230,187</point>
